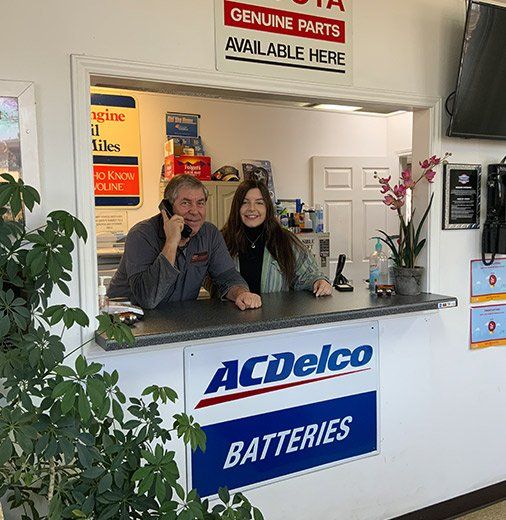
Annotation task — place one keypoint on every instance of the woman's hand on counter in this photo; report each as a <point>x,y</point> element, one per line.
<point>322,288</point>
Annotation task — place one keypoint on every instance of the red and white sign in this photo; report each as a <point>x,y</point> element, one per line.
<point>116,179</point>
<point>292,39</point>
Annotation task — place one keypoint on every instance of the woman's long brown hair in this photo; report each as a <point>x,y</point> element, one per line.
<point>280,242</point>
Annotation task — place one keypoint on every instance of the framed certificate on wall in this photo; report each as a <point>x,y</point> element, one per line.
<point>461,196</point>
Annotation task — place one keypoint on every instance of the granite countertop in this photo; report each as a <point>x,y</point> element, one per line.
<point>201,319</point>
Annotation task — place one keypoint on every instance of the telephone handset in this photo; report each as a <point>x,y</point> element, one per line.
<point>166,206</point>
<point>494,229</point>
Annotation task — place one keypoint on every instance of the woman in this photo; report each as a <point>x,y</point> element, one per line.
<point>269,258</point>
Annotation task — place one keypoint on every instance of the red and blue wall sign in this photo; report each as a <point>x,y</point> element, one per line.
<point>281,406</point>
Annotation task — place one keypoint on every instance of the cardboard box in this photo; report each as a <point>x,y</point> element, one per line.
<point>176,145</point>
<point>197,165</point>
<point>172,147</point>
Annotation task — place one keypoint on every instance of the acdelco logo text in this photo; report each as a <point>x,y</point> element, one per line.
<point>275,368</point>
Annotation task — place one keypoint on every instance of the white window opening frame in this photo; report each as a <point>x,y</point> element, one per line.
<point>426,141</point>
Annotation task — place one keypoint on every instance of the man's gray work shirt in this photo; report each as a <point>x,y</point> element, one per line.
<point>147,278</point>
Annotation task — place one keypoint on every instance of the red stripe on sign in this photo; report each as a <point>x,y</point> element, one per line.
<point>116,179</point>
<point>203,403</point>
<point>266,19</point>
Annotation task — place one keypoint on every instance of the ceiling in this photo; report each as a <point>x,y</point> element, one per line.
<point>234,95</point>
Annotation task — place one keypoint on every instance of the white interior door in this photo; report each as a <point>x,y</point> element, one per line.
<point>353,210</point>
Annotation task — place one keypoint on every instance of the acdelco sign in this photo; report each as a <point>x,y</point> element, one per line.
<point>258,371</point>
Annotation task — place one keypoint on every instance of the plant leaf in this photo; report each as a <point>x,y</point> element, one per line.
<point>6,449</point>
<point>424,217</point>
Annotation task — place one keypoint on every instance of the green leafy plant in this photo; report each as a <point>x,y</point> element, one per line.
<point>408,244</point>
<point>71,444</point>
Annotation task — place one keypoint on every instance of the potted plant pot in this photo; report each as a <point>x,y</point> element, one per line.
<point>408,280</point>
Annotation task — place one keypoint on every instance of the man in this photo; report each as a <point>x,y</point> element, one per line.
<point>160,266</point>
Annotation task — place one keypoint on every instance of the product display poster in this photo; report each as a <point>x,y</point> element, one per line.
<point>259,170</point>
<point>181,125</point>
<point>116,144</point>
<point>286,39</point>
<point>488,282</point>
<point>488,326</point>
<point>279,405</point>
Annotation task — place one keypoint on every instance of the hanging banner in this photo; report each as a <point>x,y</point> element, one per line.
<point>488,326</point>
<point>488,282</point>
<point>116,149</point>
<point>281,406</point>
<point>307,40</point>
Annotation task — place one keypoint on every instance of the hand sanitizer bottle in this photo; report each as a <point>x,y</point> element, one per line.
<point>378,267</point>
<point>103,300</point>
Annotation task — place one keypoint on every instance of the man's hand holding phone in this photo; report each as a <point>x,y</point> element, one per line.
<point>165,208</point>
<point>172,227</point>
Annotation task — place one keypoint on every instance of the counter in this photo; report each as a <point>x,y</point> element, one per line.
<point>282,390</point>
<point>203,319</point>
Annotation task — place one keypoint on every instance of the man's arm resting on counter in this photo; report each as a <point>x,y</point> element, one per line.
<point>244,299</point>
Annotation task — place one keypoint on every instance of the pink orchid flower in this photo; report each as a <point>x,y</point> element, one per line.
<point>384,180</point>
<point>385,188</point>
<point>389,200</point>
<point>394,203</point>
<point>429,175</point>
<point>434,161</point>
<point>406,175</point>
<point>408,179</point>
<point>400,190</point>
<point>425,164</point>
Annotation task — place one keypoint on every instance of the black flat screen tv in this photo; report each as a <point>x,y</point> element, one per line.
<point>479,109</point>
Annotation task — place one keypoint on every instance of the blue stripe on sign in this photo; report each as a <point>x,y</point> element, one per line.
<point>270,445</point>
<point>113,101</point>
<point>108,159</point>
<point>117,201</point>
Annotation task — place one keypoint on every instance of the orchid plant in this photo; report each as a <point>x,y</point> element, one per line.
<point>407,245</point>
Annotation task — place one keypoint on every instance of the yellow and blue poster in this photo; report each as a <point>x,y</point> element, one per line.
<point>116,145</point>
<point>488,282</point>
<point>488,326</point>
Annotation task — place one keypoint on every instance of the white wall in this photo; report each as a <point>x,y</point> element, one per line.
<point>288,137</point>
<point>409,47</point>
